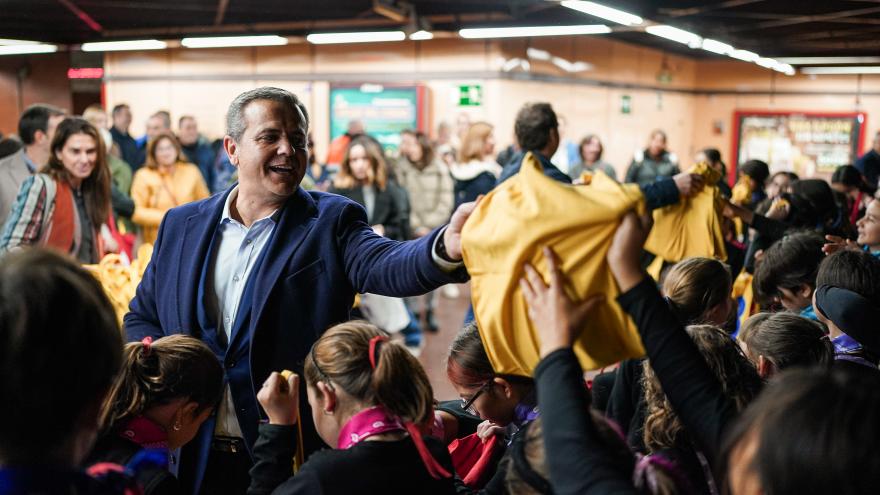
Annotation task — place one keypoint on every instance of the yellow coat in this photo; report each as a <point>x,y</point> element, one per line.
<point>509,228</point>
<point>155,192</point>
<point>690,228</point>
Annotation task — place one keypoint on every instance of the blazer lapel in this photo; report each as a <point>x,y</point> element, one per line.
<point>296,221</point>
<point>197,235</point>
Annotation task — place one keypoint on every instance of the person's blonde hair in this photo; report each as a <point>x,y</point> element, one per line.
<point>474,142</point>
<point>344,179</point>
<point>93,111</point>
<point>151,149</point>
<point>341,358</point>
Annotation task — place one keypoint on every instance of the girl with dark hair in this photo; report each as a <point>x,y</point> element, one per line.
<point>505,403</point>
<point>371,400</point>
<point>165,391</point>
<point>64,206</point>
<point>847,180</point>
<point>787,272</point>
<point>60,348</point>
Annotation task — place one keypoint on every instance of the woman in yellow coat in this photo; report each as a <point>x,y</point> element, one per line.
<point>163,183</point>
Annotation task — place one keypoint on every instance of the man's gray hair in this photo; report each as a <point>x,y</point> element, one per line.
<point>235,124</point>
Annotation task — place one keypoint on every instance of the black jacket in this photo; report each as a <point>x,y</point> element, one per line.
<point>387,209</point>
<point>385,468</point>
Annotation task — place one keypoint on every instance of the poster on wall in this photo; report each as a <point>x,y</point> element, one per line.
<point>384,110</point>
<point>809,144</point>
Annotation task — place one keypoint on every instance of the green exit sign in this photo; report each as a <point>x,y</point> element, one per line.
<point>470,95</point>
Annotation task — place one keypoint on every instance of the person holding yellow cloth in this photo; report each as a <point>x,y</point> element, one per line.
<point>165,182</point>
<point>690,228</point>
<point>509,228</point>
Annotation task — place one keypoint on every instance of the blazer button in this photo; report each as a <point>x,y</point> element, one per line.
<point>230,365</point>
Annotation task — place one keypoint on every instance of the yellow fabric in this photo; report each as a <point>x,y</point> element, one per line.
<point>120,281</point>
<point>741,194</point>
<point>690,228</point>
<point>742,289</point>
<point>510,226</point>
<point>155,192</point>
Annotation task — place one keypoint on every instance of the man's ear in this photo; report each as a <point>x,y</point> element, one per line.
<point>231,148</point>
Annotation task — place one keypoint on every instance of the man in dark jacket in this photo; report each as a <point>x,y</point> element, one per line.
<point>197,149</point>
<point>536,132</point>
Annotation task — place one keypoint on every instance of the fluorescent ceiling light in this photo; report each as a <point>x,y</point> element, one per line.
<point>601,11</point>
<point>421,35</point>
<point>231,41</point>
<point>744,55</point>
<point>7,41</point>
<point>784,68</point>
<point>675,34</point>
<point>829,60</point>
<point>115,46</point>
<point>362,37</point>
<point>26,49</point>
<point>767,63</point>
<point>716,46</point>
<point>538,54</point>
<point>871,69</point>
<point>528,31</point>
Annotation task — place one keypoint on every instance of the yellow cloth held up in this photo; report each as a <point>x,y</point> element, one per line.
<point>510,227</point>
<point>119,280</point>
<point>690,228</point>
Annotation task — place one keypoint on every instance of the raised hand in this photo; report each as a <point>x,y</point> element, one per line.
<point>280,398</point>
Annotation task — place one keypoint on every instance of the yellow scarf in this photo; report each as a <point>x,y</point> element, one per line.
<point>509,228</point>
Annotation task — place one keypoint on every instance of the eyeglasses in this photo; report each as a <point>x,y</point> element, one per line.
<point>468,405</point>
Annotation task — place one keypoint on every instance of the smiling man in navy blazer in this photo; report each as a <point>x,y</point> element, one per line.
<point>260,271</point>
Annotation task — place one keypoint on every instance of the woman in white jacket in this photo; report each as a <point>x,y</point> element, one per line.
<point>476,170</point>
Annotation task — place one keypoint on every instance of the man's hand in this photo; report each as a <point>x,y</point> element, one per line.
<point>557,319</point>
<point>688,184</point>
<point>452,235</point>
<point>280,398</point>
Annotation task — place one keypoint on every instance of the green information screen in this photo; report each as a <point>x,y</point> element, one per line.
<point>385,111</point>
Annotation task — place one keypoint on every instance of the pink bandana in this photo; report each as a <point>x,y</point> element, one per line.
<point>145,433</point>
<point>369,422</point>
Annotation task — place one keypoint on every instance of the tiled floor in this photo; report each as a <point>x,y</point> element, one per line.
<point>450,315</point>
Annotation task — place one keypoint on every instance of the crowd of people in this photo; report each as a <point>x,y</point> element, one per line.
<point>264,328</point>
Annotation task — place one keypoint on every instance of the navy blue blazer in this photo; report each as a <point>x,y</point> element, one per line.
<point>321,254</point>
